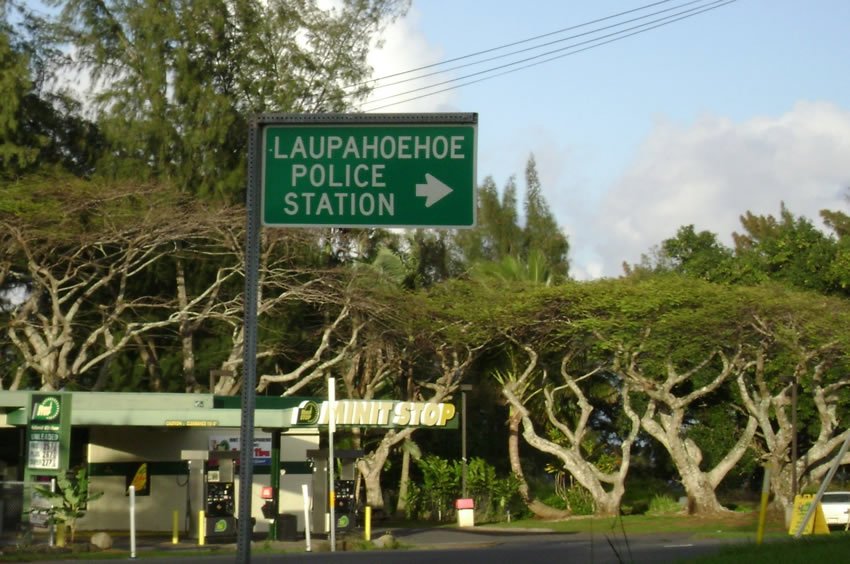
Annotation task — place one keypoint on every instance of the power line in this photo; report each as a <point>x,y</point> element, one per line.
<point>719,4</point>
<point>648,25</point>
<point>506,45</point>
<point>526,49</point>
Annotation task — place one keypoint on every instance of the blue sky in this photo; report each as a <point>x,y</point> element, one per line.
<point>736,109</point>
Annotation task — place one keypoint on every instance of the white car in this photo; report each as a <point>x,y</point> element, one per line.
<point>836,508</point>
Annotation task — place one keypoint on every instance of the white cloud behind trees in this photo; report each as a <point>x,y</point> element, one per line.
<point>403,47</point>
<point>711,172</point>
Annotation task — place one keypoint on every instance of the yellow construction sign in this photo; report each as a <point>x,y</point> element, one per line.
<point>817,522</point>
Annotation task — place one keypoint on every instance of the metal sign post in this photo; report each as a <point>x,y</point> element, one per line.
<point>249,372</point>
<point>331,489</point>
<point>345,170</point>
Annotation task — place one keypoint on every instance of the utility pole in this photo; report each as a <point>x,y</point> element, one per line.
<point>463,389</point>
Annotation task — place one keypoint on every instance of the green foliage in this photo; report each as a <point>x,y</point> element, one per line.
<point>663,505</point>
<point>578,500</point>
<point>542,233</point>
<point>493,496</point>
<point>788,249</point>
<point>497,234</point>
<point>697,255</point>
<point>433,496</point>
<point>180,80</point>
<point>15,154</point>
<point>501,251</point>
<point>40,129</point>
<point>73,497</point>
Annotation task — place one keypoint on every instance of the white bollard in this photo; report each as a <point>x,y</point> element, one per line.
<point>306,495</point>
<point>132,521</point>
<point>51,541</point>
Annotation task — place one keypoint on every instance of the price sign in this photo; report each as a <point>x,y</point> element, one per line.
<point>48,434</point>
<point>44,455</point>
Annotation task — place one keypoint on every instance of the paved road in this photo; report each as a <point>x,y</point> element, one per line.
<point>467,546</point>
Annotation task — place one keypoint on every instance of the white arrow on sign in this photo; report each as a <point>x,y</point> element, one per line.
<point>433,190</point>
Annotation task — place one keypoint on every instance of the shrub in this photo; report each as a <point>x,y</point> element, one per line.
<point>663,505</point>
<point>579,500</point>
<point>73,498</point>
<point>433,497</point>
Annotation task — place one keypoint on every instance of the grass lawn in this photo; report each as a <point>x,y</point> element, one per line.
<point>732,525</point>
<point>828,549</point>
<point>778,545</point>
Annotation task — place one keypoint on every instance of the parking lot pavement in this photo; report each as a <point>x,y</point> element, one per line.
<point>445,537</point>
<point>413,538</point>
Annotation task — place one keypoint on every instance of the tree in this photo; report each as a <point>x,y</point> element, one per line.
<point>431,257</point>
<point>14,85</point>
<point>788,249</point>
<point>516,386</point>
<point>437,386</point>
<point>495,304</point>
<point>178,81</point>
<point>77,265</point>
<point>542,233</point>
<point>569,433</point>
<point>497,234</point>
<point>39,128</point>
<point>839,269</point>
<point>73,497</point>
<point>677,344</point>
<point>803,342</point>
<point>698,255</point>
<point>495,275</point>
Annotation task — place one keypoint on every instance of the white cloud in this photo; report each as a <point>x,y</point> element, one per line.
<point>404,47</point>
<point>713,171</point>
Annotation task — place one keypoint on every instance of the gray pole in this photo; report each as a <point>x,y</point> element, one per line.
<point>331,488</point>
<point>249,358</point>
<point>463,440</point>
<point>794,480</point>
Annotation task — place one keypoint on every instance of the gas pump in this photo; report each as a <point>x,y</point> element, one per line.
<point>220,501</point>
<point>345,506</point>
<point>345,503</point>
<point>211,489</point>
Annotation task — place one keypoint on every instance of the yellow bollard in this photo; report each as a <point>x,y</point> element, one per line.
<point>174,533</point>
<point>202,528</point>
<point>367,524</point>
<point>60,534</point>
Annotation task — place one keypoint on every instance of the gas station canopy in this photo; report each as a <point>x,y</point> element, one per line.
<point>207,410</point>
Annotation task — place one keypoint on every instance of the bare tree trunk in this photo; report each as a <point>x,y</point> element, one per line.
<point>372,466</point>
<point>403,483</point>
<point>534,505</point>
<point>699,485</point>
<point>187,330</point>
<point>514,420</point>
<point>769,402</point>
<point>517,390</point>
<point>665,414</point>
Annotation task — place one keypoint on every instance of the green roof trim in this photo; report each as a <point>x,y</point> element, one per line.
<point>262,402</point>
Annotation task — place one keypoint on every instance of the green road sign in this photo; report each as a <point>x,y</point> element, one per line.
<point>369,170</point>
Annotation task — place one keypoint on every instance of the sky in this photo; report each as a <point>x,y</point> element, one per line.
<point>697,122</point>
